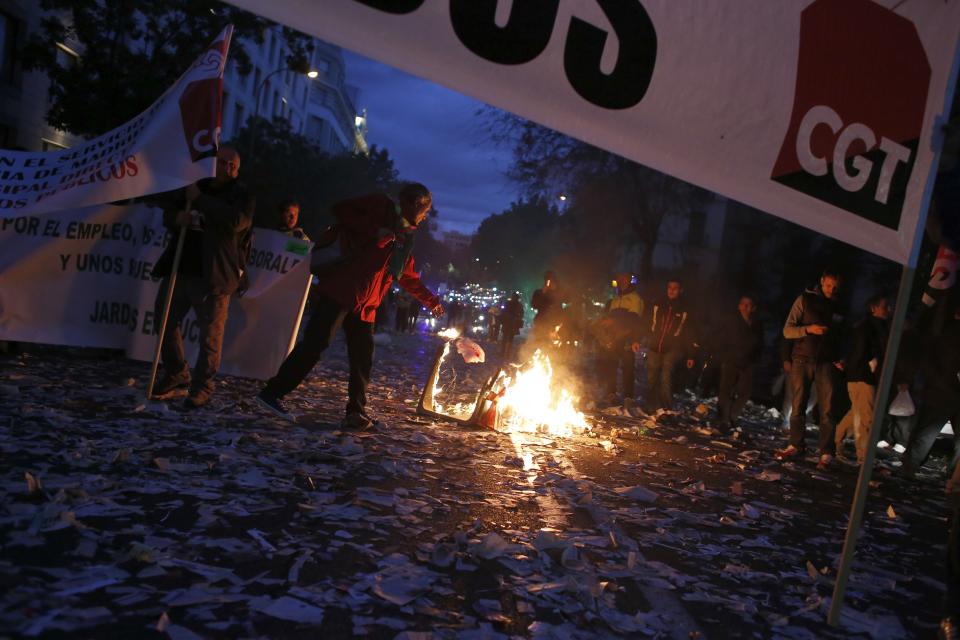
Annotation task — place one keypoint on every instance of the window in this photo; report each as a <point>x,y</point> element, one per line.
<point>8,47</point>
<point>696,228</point>
<point>239,119</point>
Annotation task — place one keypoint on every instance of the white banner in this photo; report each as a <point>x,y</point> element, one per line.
<point>82,278</point>
<point>820,112</point>
<point>170,145</point>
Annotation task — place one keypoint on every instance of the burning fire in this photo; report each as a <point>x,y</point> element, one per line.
<point>528,402</point>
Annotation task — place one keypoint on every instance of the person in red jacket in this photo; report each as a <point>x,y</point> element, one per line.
<point>376,242</point>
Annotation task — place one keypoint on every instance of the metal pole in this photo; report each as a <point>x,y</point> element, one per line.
<point>303,305</point>
<point>166,305</point>
<point>893,346</point>
<point>866,469</point>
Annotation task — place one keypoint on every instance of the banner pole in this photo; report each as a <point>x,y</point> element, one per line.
<point>893,346</point>
<point>166,306</point>
<point>303,306</point>
<point>866,469</point>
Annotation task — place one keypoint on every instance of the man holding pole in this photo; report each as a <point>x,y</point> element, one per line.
<point>215,216</point>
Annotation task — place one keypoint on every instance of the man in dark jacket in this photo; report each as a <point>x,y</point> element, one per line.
<point>861,367</point>
<point>511,321</point>
<point>376,237</point>
<point>941,397</point>
<point>672,338</point>
<point>618,336</point>
<point>813,326</point>
<point>548,303</point>
<point>218,214</point>
<point>742,343</point>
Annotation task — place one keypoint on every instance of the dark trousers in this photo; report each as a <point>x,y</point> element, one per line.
<point>802,376</point>
<point>211,311</point>
<point>660,368</point>
<point>609,361</point>
<point>327,318</point>
<point>736,385</point>
<point>934,413</point>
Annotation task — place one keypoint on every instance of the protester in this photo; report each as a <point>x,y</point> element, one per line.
<point>862,368</point>
<point>941,394</point>
<point>402,313</point>
<point>511,322</point>
<point>287,216</point>
<point>376,238</point>
<point>218,214</point>
<point>672,338</point>
<point>618,336</point>
<point>813,327</point>
<point>739,351</point>
<point>548,303</point>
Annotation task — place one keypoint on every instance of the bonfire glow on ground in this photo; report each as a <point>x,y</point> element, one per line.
<point>533,403</point>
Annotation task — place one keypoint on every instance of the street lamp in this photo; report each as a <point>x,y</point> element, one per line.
<point>299,66</point>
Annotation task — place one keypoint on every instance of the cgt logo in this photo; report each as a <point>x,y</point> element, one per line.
<point>200,104</point>
<point>860,96</point>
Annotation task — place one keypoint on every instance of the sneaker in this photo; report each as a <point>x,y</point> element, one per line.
<point>356,420</point>
<point>790,452</point>
<point>275,406</point>
<point>169,384</point>
<point>825,460</point>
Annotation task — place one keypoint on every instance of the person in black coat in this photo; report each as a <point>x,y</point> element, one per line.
<point>218,214</point>
<point>862,367</point>
<point>739,354</point>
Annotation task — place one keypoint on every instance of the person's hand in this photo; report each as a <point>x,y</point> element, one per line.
<point>787,365</point>
<point>635,347</point>
<point>816,329</point>
<point>192,191</point>
<point>183,218</point>
<point>690,363</point>
<point>903,386</point>
<point>437,310</point>
<point>839,365</point>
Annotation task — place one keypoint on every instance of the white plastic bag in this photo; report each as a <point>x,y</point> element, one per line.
<point>902,406</point>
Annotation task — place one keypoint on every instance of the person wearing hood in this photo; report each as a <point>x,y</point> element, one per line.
<point>376,240</point>
<point>618,336</point>
<point>813,327</point>
<point>672,337</point>
<point>742,344</point>
<point>862,368</point>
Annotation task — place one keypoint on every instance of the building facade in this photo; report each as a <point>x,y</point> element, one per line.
<point>321,109</point>
<point>24,95</point>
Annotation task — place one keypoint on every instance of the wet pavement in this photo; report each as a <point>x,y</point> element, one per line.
<point>121,517</point>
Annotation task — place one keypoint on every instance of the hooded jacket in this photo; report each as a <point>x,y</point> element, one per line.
<point>364,277</point>
<point>671,328</point>
<point>812,307</point>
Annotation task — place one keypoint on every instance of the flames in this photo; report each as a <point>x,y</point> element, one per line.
<point>531,402</point>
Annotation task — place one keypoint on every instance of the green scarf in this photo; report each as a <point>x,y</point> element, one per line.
<point>402,247</point>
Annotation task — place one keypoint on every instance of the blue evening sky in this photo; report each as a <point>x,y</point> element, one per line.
<point>435,137</point>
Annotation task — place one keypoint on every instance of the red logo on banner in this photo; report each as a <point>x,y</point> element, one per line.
<point>200,103</point>
<point>862,83</point>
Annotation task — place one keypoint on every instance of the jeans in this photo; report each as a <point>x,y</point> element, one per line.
<point>609,361</point>
<point>211,311</point>
<point>660,368</point>
<point>934,413</point>
<point>859,418</point>
<point>803,375</point>
<point>327,318</point>
<point>736,385</point>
